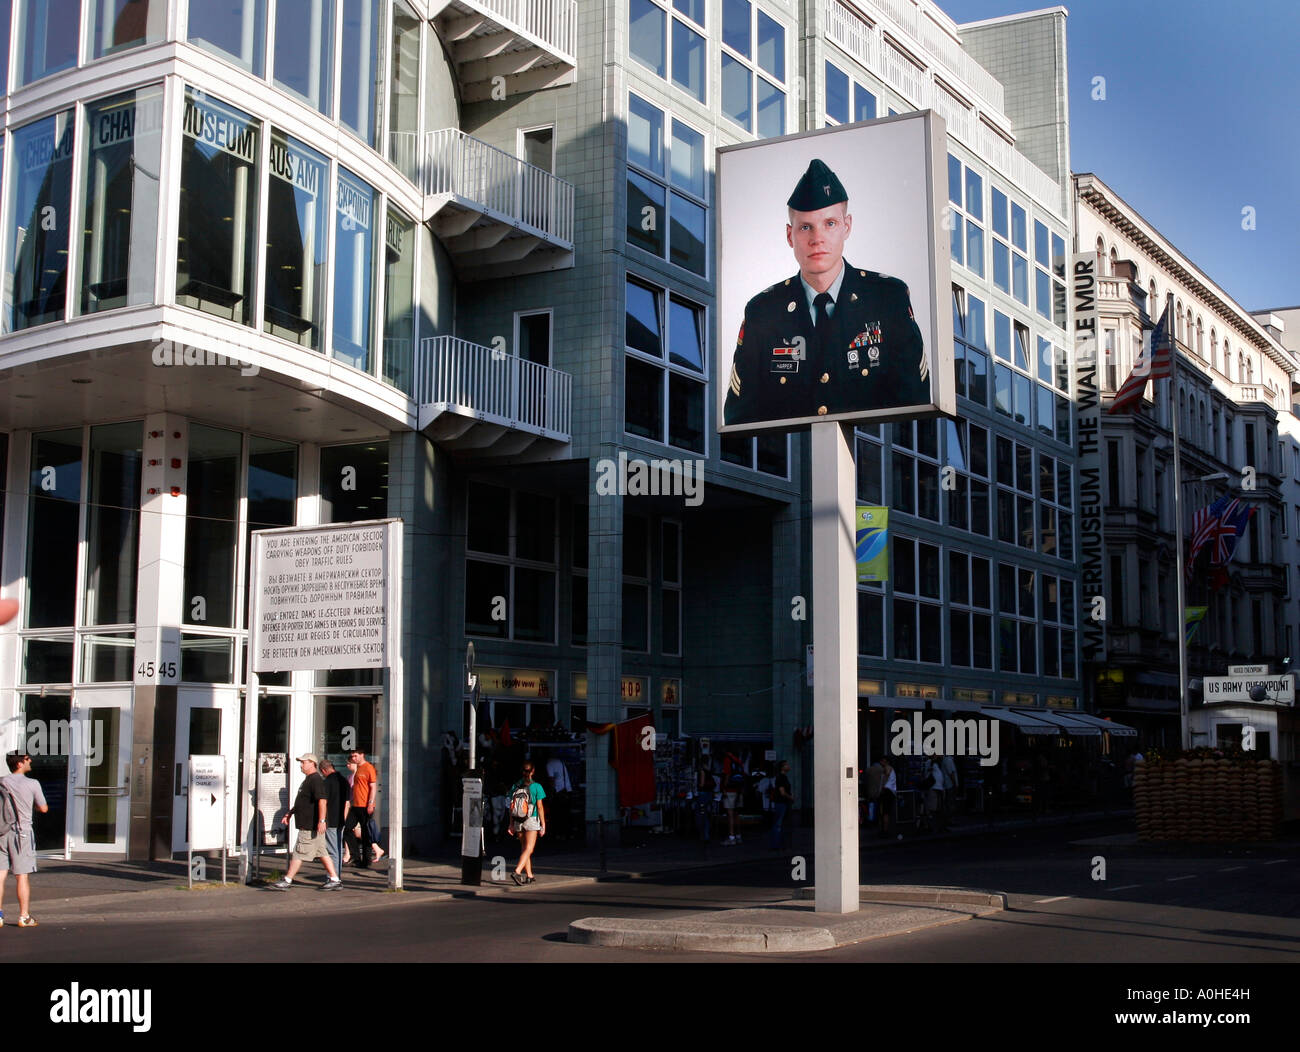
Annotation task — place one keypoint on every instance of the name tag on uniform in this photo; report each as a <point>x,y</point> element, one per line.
<point>786,359</point>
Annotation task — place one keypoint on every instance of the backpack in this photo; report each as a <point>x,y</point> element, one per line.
<point>9,820</point>
<point>521,803</point>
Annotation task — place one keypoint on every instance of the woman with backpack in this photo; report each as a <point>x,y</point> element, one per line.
<point>528,818</point>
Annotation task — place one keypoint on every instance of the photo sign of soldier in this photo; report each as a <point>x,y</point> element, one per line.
<point>859,331</point>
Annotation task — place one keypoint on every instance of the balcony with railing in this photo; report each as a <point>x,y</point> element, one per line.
<point>497,215</point>
<point>488,402</point>
<point>505,47</point>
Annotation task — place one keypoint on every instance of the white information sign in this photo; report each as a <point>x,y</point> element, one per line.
<point>207,803</point>
<point>1247,670</point>
<point>321,598</point>
<point>1234,690</point>
<point>273,795</point>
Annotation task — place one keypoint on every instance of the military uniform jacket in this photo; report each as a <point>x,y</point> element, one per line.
<point>872,357</point>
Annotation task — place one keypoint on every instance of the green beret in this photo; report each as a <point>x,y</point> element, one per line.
<point>819,188</point>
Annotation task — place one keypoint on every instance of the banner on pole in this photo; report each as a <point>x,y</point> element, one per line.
<point>1195,615</point>
<point>872,527</point>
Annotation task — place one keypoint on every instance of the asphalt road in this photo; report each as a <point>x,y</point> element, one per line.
<point>1156,904</point>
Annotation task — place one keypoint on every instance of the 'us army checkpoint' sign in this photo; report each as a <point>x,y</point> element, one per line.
<point>1235,690</point>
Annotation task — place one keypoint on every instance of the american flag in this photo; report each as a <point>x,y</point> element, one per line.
<point>1154,363</point>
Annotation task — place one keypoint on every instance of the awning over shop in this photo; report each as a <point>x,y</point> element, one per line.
<point>1078,730</point>
<point>1110,726</point>
<point>1024,724</point>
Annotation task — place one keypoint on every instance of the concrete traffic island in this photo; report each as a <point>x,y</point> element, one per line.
<point>793,926</point>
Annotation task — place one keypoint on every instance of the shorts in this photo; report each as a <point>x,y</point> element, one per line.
<point>531,824</point>
<point>17,853</point>
<point>309,845</point>
<point>729,801</point>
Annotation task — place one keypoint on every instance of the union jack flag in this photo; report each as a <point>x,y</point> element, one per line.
<point>1154,363</point>
<point>1205,525</point>
<point>1228,532</point>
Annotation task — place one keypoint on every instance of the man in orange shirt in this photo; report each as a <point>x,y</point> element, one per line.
<point>365,788</point>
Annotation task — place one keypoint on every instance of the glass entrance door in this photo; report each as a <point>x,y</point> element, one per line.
<point>99,762</point>
<point>39,716</point>
<point>207,724</point>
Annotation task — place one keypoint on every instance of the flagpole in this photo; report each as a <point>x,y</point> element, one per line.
<point>1183,729</point>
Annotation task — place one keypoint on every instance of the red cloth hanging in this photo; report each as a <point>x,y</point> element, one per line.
<point>634,763</point>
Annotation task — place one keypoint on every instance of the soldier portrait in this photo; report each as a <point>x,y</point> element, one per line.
<point>839,338</point>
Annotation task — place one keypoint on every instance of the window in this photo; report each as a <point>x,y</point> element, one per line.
<point>53,531</point>
<point>120,241</point>
<point>404,91</point>
<point>399,301</point>
<point>649,38</point>
<point>636,583</point>
<point>970,346</point>
<point>39,193</point>
<point>837,94</point>
<point>670,624</point>
<point>235,30</point>
<point>211,550</point>
<point>970,614</point>
<point>918,612</point>
<point>354,269</point>
<point>1016,620</point>
<point>753,68</point>
<point>769,454</point>
<point>966,196</point>
<point>511,564</point>
<point>354,482</point>
<point>864,103</point>
<point>362,69</point>
<point>689,57</point>
<point>1055,522</point>
<point>867,460</point>
<point>305,67</point>
<point>666,211</point>
<point>122,24</point>
<point>674,342</point>
<point>47,35</point>
<point>1015,492</point>
<point>646,40</point>
<point>1057,628</point>
<point>871,620</point>
<point>915,488</point>
<point>967,450</point>
<point>578,579</point>
<point>296,241</point>
<point>217,252</point>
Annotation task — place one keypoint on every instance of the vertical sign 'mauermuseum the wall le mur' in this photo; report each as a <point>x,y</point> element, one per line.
<point>1083,291</point>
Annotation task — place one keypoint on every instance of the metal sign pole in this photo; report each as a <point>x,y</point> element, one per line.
<point>396,698</point>
<point>835,703</point>
<point>189,826</point>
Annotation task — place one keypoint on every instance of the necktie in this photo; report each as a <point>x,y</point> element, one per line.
<point>821,317</point>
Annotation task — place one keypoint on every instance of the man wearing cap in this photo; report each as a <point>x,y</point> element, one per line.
<point>309,814</point>
<point>832,338</point>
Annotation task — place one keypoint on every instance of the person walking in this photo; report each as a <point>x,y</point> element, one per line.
<point>309,808</point>
<point>705,783</point>
<point>18,844</point>
<point>733,787</point>
<point>338,803</point>
<point>782,798</point>
<point>888,797</point>
<point>364,794</point>
<point>530,794</point>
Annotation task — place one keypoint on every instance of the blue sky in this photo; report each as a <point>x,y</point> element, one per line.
<point>1201,119</point>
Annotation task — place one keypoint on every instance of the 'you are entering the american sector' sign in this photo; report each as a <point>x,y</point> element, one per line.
<point>321,598</point>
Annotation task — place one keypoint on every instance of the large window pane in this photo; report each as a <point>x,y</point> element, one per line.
<point>404,91</point>
<point>122,24</point>
<point>484,582</point>
<point>646,210</point>
<point>534,605</point>
<point>296,235</point>
<point>644,393</point>
<point>216,253</point>
<point>685,413</point>
<point>39,198</point>
<point>647,42</point>
<point>120,243</point>
<point>636,617</point>
<point>686,244</point>
<point>233,29</point>
<point>52,529</point>
<point>736,91</point>
<point>688,60</point>
<point>644,321</point>
<point>272,492</point>
<point>864,104</point>
<point>354,269</point>
<point>771,110</point>
<point>363,64</point>
<point>6,24</point>
<point>837,94</point>
<point>773,454</point>
<point>688,159</point>
<point>736,25</point>
<point>399,301</point>
<point>354,482</point>
<point>304,51</point>
<point>771,46</point>
<point>113,523</point>
<point>645,136</point>
<point>685,334</point>
<point>212,506</point>
<point>535,528</point>
<point>47,32</point>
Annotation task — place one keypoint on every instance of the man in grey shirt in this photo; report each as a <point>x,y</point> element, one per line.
<point>18,846</point>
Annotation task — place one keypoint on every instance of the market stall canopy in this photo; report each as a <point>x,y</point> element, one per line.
<point>1079,730</point>
<point>1024,724</point>
<point>1110,726</point>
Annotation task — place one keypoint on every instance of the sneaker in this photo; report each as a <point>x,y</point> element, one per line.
<point>531,880</point>
<point>2,918</point>
<point>283,884</point>
<point>331,885</point>
<point>27,922</point>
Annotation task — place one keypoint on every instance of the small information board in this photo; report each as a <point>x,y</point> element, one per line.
<point>207,803</point>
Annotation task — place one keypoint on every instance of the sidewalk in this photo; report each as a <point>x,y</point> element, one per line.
<point>90,891</point>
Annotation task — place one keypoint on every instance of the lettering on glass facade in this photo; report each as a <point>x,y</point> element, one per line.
<point>207,123</point>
